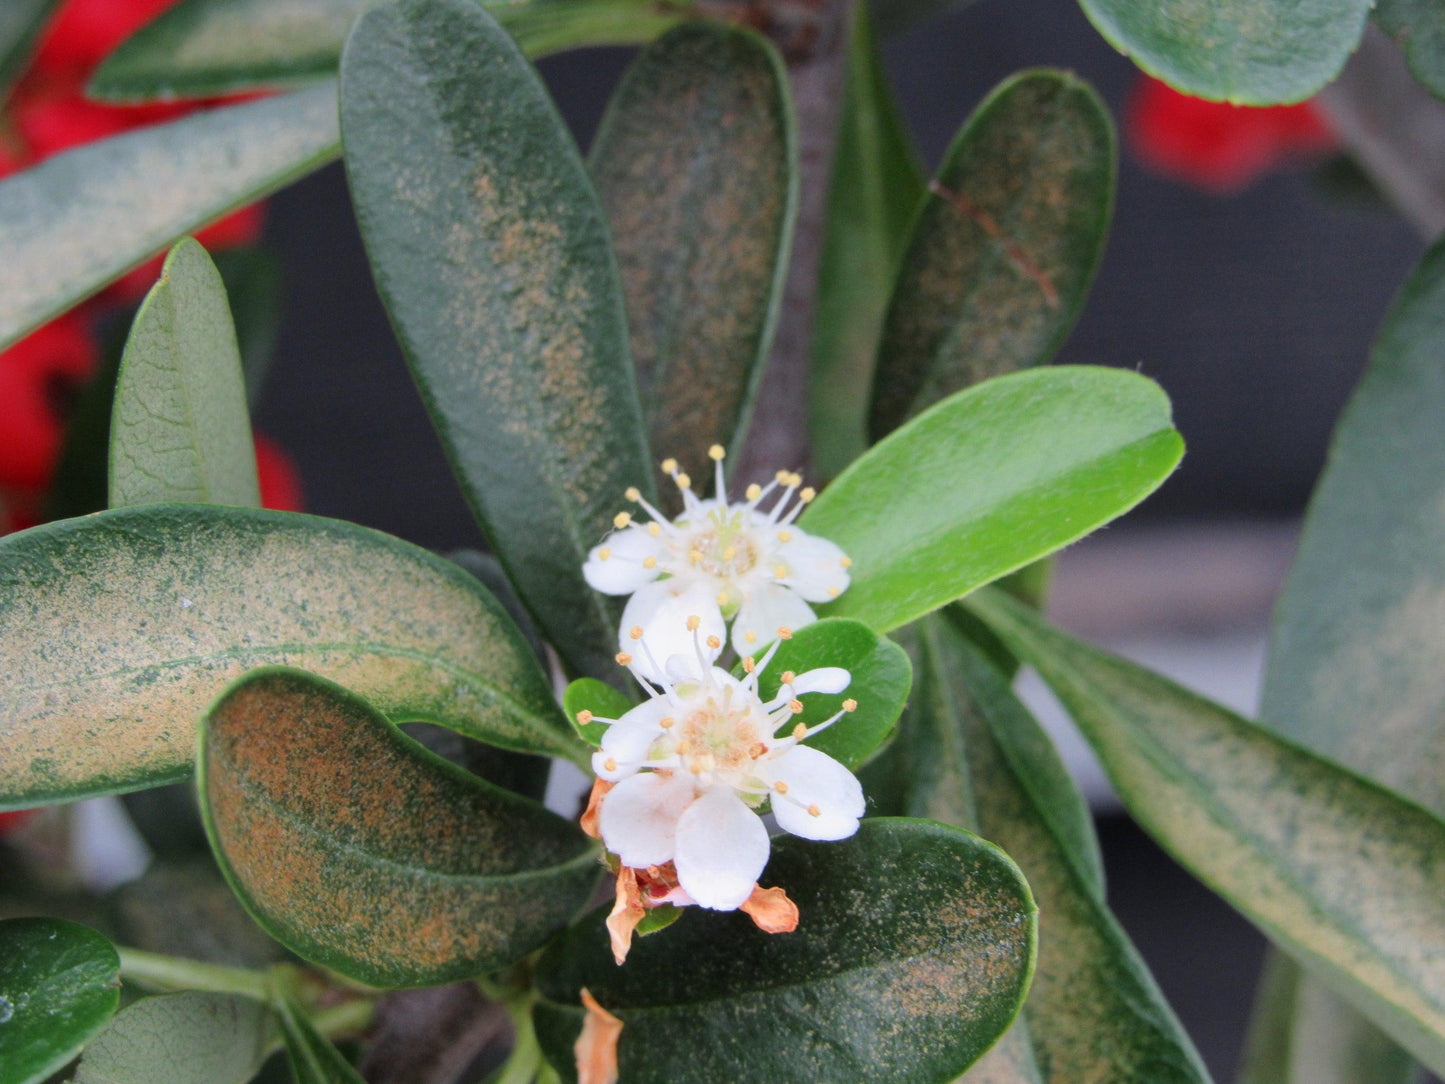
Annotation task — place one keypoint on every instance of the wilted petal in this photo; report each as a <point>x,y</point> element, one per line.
<point>721,849</point>
<point>815,782</point>
<point>596,1047</point>
<point>771,910</point>
<point>661,610</point>
<point>622,571</point>
<point>639,817</point>
<point>767,608</point>
<point>815,567</point>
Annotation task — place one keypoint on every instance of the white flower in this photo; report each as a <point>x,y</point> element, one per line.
<point>692,766</point>
<point>717,560</point>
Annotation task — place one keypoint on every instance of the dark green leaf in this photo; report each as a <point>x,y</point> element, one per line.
<point>881,677</point>
<point>875,188</point>
<point>312,1057</point>
<point>696,166</point>
<point>118,629</point>
<point>1344,875</point>
<point>601,699</point>
<point>205,48</point>
<point>81,219</point>
<point>912,957</point>
<point>492,254</point>
<point>254,281</point>
<point>181,1039</point>
<point>1419,27</point>
<point>180,429</point>
<point>389,865</point>
<point>989,480</point>
<point>21,22</point>
<point>1252,52</point>
<point>81,482</point>
<point>59,984</point>
<point>1001,256</point>
<point>895,16</point>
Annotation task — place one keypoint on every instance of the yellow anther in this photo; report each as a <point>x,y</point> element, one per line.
<point>621,520</point>
<point>785,536</point>
<point>795,706</point>
<point>753,492</point>
<point>780,787</point>
<point>624,659</point>
<point>694,556</point>
<point>584,716</point>
<point>807,493</point>
<point>632,493</point>
<point>695,766</point>
<point>800,731</point>
<point>850,704</point>
<point>781,477</point>
<point>750,636</point>
<point>781,572</point>
<point>610,764</point>
<point>693,622</point>
<point>669,465</point>
<point>682,480</point>
<point>722,598</point>
<point>654,529</point>
<point>757,750</point>
<point>682,749</point>
<point>814,811</point>
<point>784,633</point>
<point>604,553</point>
<point>730,553</point>
<point>716,453</point>
<point>846,562</point>
<point>667,722</point>
<point>832,591</point>
<point>749,664</point>
<point>635,632</point>
<point>649,561</point>
<point>789,677</point>
<point>714,643</point>
<point>795,479</point>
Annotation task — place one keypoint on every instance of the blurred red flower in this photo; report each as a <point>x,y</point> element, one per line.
<point>14,819</point>
<point>39,379</point>
<point>280,481</point>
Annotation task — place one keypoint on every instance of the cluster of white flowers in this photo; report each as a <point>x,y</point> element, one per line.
<point>684,776</point>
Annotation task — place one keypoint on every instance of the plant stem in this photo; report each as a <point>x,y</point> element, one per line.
<point>169,974</point>
<point>525,1063</point>
<point>346,1019</point>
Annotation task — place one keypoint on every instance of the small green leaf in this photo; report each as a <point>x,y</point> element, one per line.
<point>59,984</point>
<point>118,629</point>
<point>180,429</point>
<point>181,1039</point>
<point>912,957</point>
<point>1251,52</point>
<point>1419,28</point>
<point>491,252</point>
<point>389,865</point>
<point>1344,875</point>
<point>254,283</point>
<point>81,219</point>
<point>875,188</point>
<point>881,677</point>
<point>312,1057</point>
<point>21,22</point>
<point>696,166</point>
<point>1001,256</point>
<point>989,480</point>
<point>208,48</point>
<point>601,699</point>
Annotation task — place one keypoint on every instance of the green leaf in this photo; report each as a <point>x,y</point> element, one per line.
<point>881,677</point>
<point>1344,875</point>
<point>1251,52</point>
<point>181,1039</point>
<point>312,1057</point>
<point>254,283</point>
<point>989,480</point>
<point>59,984</point>
<point>696,166</point>
<point>912,957</point>
<point>207,48</point>
<point>491,251</point>
<point>81,481</point>
<point>82,219</point>
<point>895,16</point>
<point>601,699</point>
<point>180,429</point>
<point>389,865</point>
<point>21,22</point>
<point>117,630</point>
<point>875,188</point>
<point>1419,28</point>
<point>1001,257</point>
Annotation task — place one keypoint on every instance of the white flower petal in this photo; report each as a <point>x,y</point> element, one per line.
<point>816,780</point>
<point>721,849</point>
<point>638,819</point>
<point>815,567</point>
<point>661,609</point>
<point>823,679</point>
<point>767,607</point>
<point>626,742</point>
<point>623,571</point>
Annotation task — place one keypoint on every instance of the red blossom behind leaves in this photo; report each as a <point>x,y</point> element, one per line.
<point>39,378</point>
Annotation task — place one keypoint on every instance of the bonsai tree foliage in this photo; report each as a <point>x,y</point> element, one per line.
<point>824,841</point>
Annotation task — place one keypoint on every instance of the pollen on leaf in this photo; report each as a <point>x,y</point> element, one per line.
<point>716,453</point>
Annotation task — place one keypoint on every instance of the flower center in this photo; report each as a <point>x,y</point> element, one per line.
<point>723,546</point>
<point>718,738</point>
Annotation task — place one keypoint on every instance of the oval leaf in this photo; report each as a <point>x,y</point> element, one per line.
<point>118,629</point>
<point>21,22</point>
<point>1251,52</point>
<point>1002,255</point>
<point>312,1057</point>
<point>180,430</point>
<point>912,958</point>
<point>59,984</point>
<point>989,480</point>
<point>390,865</point>
<point>181,1039</point>
<point>601,699</point>
<point>491,252</point>
<point>695,163</point>
<point>80,220</point>
<point>1344,875</point>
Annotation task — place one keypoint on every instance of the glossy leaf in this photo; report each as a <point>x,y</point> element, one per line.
<point>118,629</point>
<point>21,22</point>
<point>696,166</point>
<point>59,984</point>
<point>1252,52</point>
<point>601,699</point>
<point>390,865</point>
<point>989,480</point>
<point>180,429</point>
<point>312,1058</point>
<point>1002,254</point>
<point>881,677</point>
<point>912,957</point>
<point>205,48</point>
<point>1419,27</point>
<point>1347,877</point>
<point>491,251</point>
<point>875,188</point>
<point>81,219</point>
<point>181,1039</point>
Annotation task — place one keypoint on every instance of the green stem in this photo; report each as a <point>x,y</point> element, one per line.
<point>169,974</point>
<point>342,1021</point>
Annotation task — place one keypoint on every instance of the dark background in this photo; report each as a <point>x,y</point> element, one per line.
<point>1255,312</point>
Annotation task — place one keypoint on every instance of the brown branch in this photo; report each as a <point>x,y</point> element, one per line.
<point>1011,248</point>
